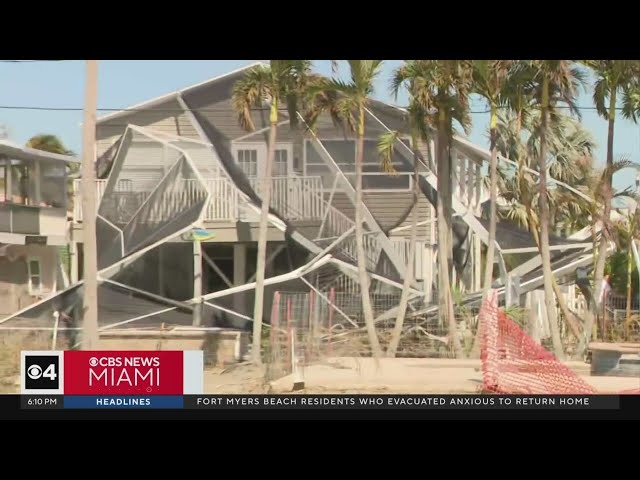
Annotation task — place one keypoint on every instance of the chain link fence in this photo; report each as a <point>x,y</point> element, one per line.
<point>314,327</point>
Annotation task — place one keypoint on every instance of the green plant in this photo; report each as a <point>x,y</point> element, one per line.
<point>518,314</point>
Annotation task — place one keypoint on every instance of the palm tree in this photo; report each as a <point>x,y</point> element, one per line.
<point>417,119</point>
<point>570,147</point>
<point>593,183</point>
<point>490,80</point>
<point>442,88</point>
<point>555,81</point>
<point>277,85</point>
<point>628,230</point>
<point>48,143</point>
<point>612,77</point>
<point>348,101</point>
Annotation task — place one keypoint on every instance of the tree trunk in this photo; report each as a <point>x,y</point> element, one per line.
<point>602,253</point>
<point>411,260</point>
<point>265,197</point>
<point>570,318</point>
<point>606,216</point>
<point>493,219</point>
<point>90,332</point>
<point>367,309</point>
<point>445,298</point>
<point>544,228</point>
<point>590,325</point>
<point>627,322</point>
<point>475,352</point>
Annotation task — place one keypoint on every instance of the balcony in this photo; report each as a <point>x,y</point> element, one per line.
<point>33,195</point>
<point>295,198</point>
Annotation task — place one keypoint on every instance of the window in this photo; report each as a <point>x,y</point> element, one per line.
<point>342,152</point>
<point>248,161</point>
<point>280,164</point>
<point>35,276</point>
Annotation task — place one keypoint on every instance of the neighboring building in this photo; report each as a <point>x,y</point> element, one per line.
<point>33,225</point>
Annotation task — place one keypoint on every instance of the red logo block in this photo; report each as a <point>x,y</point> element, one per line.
<point>123,373</point>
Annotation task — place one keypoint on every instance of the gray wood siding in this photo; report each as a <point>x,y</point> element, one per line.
<point>202,157</point>
<point>166,117</point>
<point>215,108</point>
<point>388,208</point>
<point>425,212</point>
<point>214,104</point>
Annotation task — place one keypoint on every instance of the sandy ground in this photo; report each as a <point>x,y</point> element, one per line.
<point>360,375</point>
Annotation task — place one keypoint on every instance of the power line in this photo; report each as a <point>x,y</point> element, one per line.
<point>29,61</point>
<point>179,110</point>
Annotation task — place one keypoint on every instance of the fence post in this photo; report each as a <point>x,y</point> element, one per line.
<point>312,325</point>
<point>332,301</point>
<point>604,317</point>
<point>273,334</point>
<point>289,335</point>
<point>56,316</point>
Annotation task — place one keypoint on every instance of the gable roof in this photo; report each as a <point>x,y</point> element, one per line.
<point>173,95</point>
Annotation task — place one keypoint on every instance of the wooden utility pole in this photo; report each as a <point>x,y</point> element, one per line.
<point>90,307</point>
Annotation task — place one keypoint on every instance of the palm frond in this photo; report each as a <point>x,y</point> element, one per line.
<point>398,78</point>
<point>386,149</point>
<point>338,86</point>
<point>517,213</point>
<point>601,93</point>
<point>363,74</point>
<point>565,79</point>
<point>619,164</point>
<point>631,102</point>
<point>419,122</point>
<point>250,92</point>
<point>615,76</point>
<point>48,143</point>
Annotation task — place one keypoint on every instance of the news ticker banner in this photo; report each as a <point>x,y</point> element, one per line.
<point>324,402</point>
<point>174,380</point>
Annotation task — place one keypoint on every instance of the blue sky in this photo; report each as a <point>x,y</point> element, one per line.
<point>123,83</point>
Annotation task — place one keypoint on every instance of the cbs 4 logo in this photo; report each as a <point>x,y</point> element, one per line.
<point>41,372</point>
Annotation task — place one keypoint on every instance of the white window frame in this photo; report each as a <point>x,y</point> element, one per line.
<point>262,151</point>
<point>289,152</point>
<point>241,163</point>
<point>30,275</point>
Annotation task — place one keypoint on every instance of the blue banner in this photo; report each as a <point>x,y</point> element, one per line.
<point>121,401</point>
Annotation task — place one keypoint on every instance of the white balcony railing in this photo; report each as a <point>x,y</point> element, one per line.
<point>295,198</point>
<point>402,247</point>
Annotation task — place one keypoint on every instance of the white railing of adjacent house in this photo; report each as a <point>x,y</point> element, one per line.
<point>295,198</point>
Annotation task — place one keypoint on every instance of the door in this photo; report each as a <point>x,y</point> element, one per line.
<point>252,159</point>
